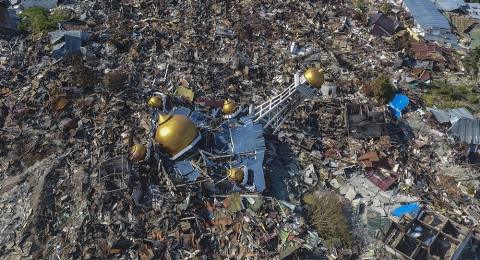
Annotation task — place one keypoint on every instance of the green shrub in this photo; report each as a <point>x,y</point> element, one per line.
<point>452,97</point>
<point>381,89</point>
<point>38,20</point>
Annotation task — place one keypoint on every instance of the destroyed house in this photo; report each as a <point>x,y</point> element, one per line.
<point>429,22</point>
<point>363,122</point>
<point>429,236</point>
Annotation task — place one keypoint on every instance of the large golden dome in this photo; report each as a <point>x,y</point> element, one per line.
<point>176,133</point>
<point>314,77</point>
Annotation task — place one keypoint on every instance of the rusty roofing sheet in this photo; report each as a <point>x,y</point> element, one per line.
<point>427,51</point>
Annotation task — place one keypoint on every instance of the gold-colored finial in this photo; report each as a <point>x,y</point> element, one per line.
<point>314,77</point>
<point>138,152</point>
<point>154,102</point>
<point>235,174</point>
<point>229,107</point>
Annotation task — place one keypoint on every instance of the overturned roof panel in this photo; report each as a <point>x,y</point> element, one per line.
<point>466,130</point>
<point>426,14</point>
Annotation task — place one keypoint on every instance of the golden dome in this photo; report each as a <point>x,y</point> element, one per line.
<point>138,152</point>
<point>235,174</point>
<point>314,77</point>
<point>229,107</point>
<point>154,102</point>
<point>175,133</point>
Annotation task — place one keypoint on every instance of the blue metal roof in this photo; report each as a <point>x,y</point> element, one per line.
<point>426,14</point>
<point>473,10</point>
<point>185,170</point>
<point>443,39</point>
<point>449,5</point>
<point>248,142</point>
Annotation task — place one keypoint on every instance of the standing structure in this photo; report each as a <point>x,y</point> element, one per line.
<point>273,112</point>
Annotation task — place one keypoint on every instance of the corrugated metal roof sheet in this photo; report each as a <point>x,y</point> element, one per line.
<point>451,115</point>
<point>427,51</point>
<point>426,14</point>
<point>466,130</point>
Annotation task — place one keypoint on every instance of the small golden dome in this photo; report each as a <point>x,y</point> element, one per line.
<point>229,107</point>
<point>314,77</point>
<point>138,152</point>
<point>235,174</point>
<point>155,102</point>
<point>175,133</point>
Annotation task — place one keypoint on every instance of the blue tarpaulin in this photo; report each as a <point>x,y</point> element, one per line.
<point>398,103</point>
<point>412,209</point>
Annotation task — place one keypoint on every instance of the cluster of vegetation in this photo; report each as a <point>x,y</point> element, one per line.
<point>472,62</point>
<point>385,7</point>
<point>38,20</point>
<point>449,96</point>
<point>381,89</point>
<point>361,10</point>
<point>327,216</point>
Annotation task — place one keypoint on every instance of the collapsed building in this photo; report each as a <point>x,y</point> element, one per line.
<point>239,139</point>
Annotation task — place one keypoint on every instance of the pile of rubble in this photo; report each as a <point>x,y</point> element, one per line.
<point>187,130</point>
